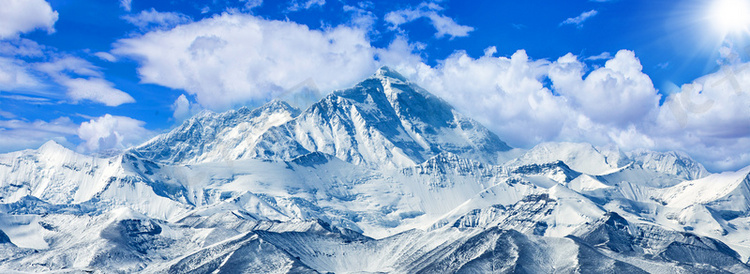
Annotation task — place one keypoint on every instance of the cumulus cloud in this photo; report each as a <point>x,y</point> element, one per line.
<point>232,59</point>
<point>505,94</point>
<point>578,20</point>
<point>615,104</point>
<point>111,132</point>
<point>20,134</point>
<point>712,116</point>
<point>84,81</point>
<point>22,16</point>
<point>443,24</point>
<point>184,109</point>
<point>154,19</point>
<point>617,93</point>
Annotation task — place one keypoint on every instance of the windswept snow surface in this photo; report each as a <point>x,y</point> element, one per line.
<point>381,177</point>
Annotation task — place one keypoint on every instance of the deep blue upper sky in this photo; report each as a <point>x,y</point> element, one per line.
<point>72,91</point>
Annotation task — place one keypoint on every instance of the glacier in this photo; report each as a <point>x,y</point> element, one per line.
<point>380,177</point>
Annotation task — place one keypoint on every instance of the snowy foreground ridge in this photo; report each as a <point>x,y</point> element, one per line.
<point>381,177</point>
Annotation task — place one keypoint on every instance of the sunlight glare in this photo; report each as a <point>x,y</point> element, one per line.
<point>730,15</point>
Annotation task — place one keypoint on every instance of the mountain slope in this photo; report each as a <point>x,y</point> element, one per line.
<point>211,136</point>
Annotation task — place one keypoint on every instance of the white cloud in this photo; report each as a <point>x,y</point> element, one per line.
<point>615,104</point>
<point>505,94</point>
<point>306,5</point>
<point>7,115</point>
<point>443,24</point>
<point>106,56</point>
<point>19,134</point>
<point>111,132</point>
<point>578,20</point>
<point>184,109</point>
<point>488,52</point>
<point>69,65</point>
<point>601,56</point>
<point>22,16</point>
<point>126,4</point>
<point>249,4</point>
<point>21,47</point>
<point>96,90</point>
<point>362,17</point>
<point>153,18</point>
<point>617,93</point>
<point>711,116</point>
<point>30,99</point>
<point>84,81</point>
<point>98,134</point>
<point>233,59</point>
<point>15,76</point>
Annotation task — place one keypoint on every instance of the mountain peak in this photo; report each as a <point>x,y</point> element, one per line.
<point>383,121</point>
<point>53,148</point>
<point>387,72</point>
<point>51,145</point>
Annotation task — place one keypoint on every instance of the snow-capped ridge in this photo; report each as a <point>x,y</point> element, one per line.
<point>581,157</point>
<point>671,162</point>
<point>210,136</point>
<point>727,191</point>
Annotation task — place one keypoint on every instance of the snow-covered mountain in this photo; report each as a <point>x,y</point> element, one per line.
<point>381,177</point>
<point>382,121</point>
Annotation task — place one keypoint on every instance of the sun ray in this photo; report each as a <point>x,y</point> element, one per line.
<point>730,16</point>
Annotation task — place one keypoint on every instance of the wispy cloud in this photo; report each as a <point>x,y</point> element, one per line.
<point>578,20</point>
<point>443,24</point>
<point>126,4</point>
<point>306,5</point>
<point>601,56</point>
<point>83,81</point>
<point>18,134</point>
<point>154,19</point>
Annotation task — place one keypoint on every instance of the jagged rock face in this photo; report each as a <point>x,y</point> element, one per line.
<point>381,177</point>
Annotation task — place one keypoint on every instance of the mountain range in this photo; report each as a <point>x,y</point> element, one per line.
<point>380,177</point>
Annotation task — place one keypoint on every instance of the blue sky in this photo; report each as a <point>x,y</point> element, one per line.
<point>660,75</point>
